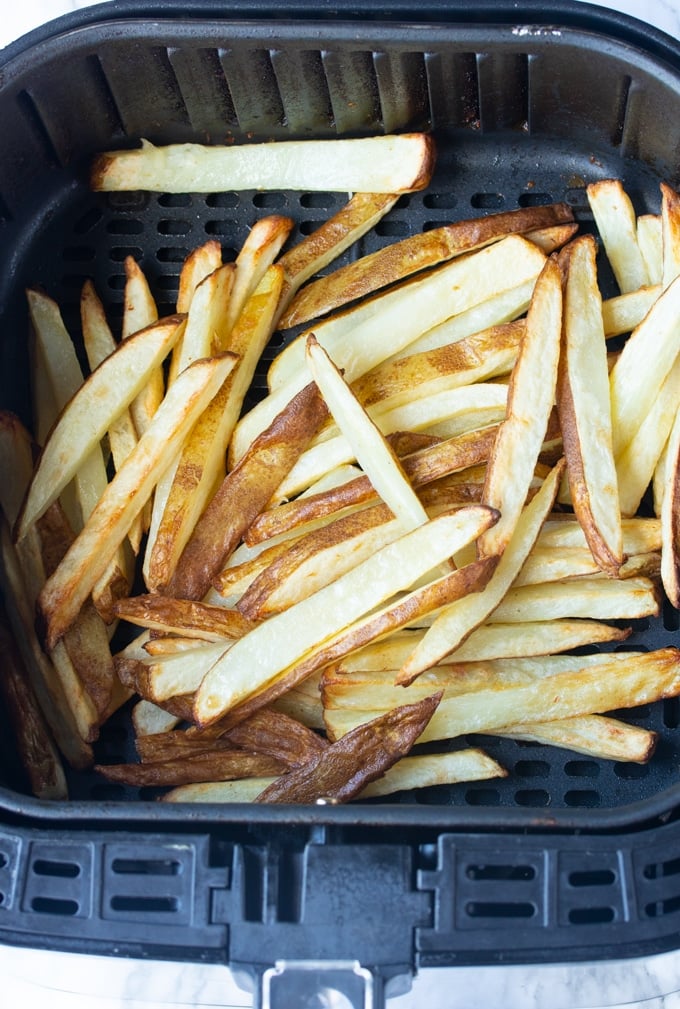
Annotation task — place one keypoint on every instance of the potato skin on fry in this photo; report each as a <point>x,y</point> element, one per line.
<point>362,755</point>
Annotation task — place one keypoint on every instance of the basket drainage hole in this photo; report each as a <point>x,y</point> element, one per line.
<point>522,873</point>
<point>53,905</point>
<point>155,904</point>
<point>3,860</point>
<point>500,909</point>
<point>591,915</point>
<point>146,867</point>
<point>487,201</point>
<point>592,877</point>
<point>62,870</point>
<point>655,870</point>
<point>658,908</point>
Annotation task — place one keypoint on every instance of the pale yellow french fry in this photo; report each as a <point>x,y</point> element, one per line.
<point>206,330</point>
<point>383,163</point>
<point>278,643</point>
<point>239,790</point>
<point>199,264</point>
<point>427,770</point>
<point>454,622</point>
<point>592,735</point>
<point>90,412</point>
<point>650,241</point>
<point>148,719</point>
<point>261,247</point>
<point>624,312</point>
<point>616,222</point>
<point>626,681</point>
<point>531,396</point>
<point>368,445</point>
<point>584,409</point>
<point>642,366</point>
<point>68,587</point>
<point>387,323</point>
<point>640,534</point>
<point>670,229</point>
<point>182,672</point>
<point>140,311</point>
<point>670,518</point>
<point>584,597</point>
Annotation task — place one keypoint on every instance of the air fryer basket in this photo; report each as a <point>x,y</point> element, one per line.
<point>528,104</point>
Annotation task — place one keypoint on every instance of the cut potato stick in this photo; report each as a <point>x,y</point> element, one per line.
<point>452,625</point>
<point>368,445</point>
<point>315,251</point>
<point>158,678</point>
<point>593,735</point>
<point>205,331</point>
<point>584,410</point>
<point>258,252</point>
<point>642,366</point>
<point>216,765</point>
<point>35,746</point>
<point>670,518</point>
<point>140,311</point>
<point>615,219</point>
<point>88,415</point>
<point>244,492</point>
<point>670,234</point>
<point>361,756</point>
<point>551,239</point>
<point>431,769</point>
<point>361,338</point>
<point>254,660</point>
<point>201,465</point>
<point>380,164</point>
<point>68,587</point>
<point>199,264</point>
<point>240,790</point>
<point>626,681</point>
<point>547,565</point>
<point>421,467</point>
<point>650,240</point>
<point>148,719</point>
<point>626,599</point>
<point>530,400</point>
<point>640,534</point>
<point>624,312</point>
<point>402,259</point>
<point>182,616</point>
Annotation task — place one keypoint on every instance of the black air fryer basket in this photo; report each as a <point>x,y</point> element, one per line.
<point>569,857</point>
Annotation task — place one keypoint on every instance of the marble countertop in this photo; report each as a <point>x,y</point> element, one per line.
<point>70,981</point>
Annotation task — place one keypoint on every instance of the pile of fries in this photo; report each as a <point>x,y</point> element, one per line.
<point>429,526</point>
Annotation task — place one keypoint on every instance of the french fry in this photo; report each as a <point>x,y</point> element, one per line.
<point>670,234</point>
<point>625,681</point>
<point>624,312</point>
<point>369,447</point>
<point>240,790</point>
<point>261,247</point>
<point>430,769</point>
<point>649,232</point>
<point>69,586</point>
<point>252,662</point>
<point>158,678</point>
<point>418,252</point>
<point>88,415</point>
<point>199,264</point>
<point>640,534</point>
<point>140,311</point>
<point>244,492</point>
<point>626,599</point>
<point>616,222</point>
<point>389,164</point>
<point>363,755</point>
<point>215,765</point>
<point>452,625</point>
<point>148,719</point>
<point>592,735</point>
<point>584,410</point>
<point>530,402</point>
<point>182,616</point>
<point>670,518</point>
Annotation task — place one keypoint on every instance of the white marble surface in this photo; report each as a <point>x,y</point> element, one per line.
<point>61,981</point>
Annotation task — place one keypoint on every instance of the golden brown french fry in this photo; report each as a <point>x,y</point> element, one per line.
<point>593,735</point>
<point>140,311</point>
<point>584,410</point>
<point>35,746</point>
<point>640,534</point>
<point>531,396</point>
<point>69,586</point>
<point>587,596</point>
<point>199,264</point>
<point>429,769</point>
<point>670,232</point>
<point>216,765</point>
<point>361,756</point>
<point>453,624</point>
<point>182,616</point>
<point>201,465</point>
<point>417,252</point>
<point>384,163</point>
<point>261,247</point>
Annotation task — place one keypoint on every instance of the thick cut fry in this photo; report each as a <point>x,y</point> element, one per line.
<point>642,366</point>
<point>623,313</point>
<point>35,746</point>
<point>431,769</point>
<point>158,678</point>
<point>650,240</point>
<point>345,768</point>
<point>69,586</point>
<point>585,413</point>
<point>670,518</point>
<point>261,247</point>
<point>531,396</point>
<point>148,719</point>
<point>199,264</point>
<point>592,735</point>
<point>370,448</point>
<point>201,465</point>
<point>217,765</point>
<point>615,219</point>
<point>315,251</point>
<point>422,467</point>
<point>670,231</point>
<point>182,616</point>
<point>453,624</point>
<point>381,164</point>
<point>90,413</point>
<point>283,640</point>
<point>640,534</point>
<point>244,492</point>
<point>361,338</point>
<point>140,311</point>
<point>401,259</point>
<point>240,790</point>
<point>626,681</point>
<point>627,599</point>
